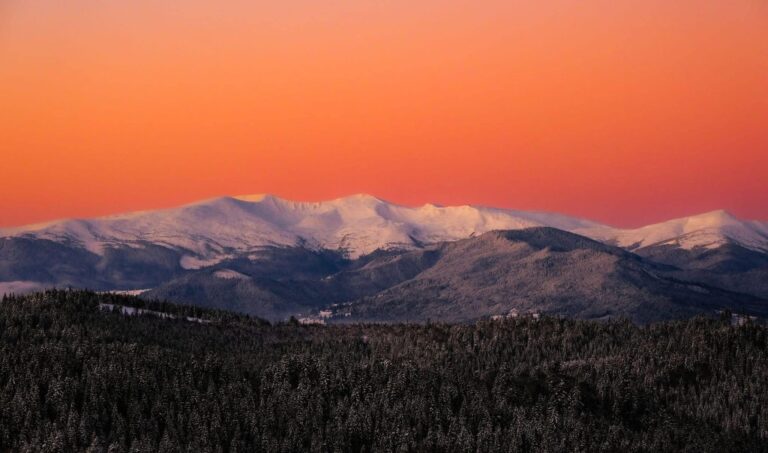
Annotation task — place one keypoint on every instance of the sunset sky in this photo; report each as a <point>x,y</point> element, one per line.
<point>623,111</point>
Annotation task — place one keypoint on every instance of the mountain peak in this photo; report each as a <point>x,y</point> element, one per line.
<point>357,198</point>
<point>254,198</point>
<point>709,230</point>
<point>549,238</point>
<point>360,224</point>
<point>362,196</point>
<point>354,198</point>
<point>714,218</point>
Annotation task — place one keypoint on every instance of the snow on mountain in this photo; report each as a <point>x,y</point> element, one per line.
<point>229,274</point>
<point>708,230</point>
<point>213,230</point>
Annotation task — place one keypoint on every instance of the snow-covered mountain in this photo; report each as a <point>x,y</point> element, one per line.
<point>213,230</point>
<point>276,258</point>
<point>708,230</point>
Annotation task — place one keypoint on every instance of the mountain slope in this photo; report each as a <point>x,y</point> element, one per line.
<point>543,270</point>
<point>708,230</point>
<point>284,282</point>
<point>729,266</point>
<point>715,247</point>
<point>273,283</point>
<point>274,258</point>
<point>214,230</point>
<point>47,263</point>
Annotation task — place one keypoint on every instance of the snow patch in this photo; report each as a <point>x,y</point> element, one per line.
<point>133,311</point>
<point>131,292</point>
<point>191,262</point>
<point>229,274</point>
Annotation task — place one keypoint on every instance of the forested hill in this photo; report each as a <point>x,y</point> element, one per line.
<point>79,372</point>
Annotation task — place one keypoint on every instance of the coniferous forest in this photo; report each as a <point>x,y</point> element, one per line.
<point>81,371</point>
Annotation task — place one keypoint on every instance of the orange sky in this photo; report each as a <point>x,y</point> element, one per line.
<point>624,111</point>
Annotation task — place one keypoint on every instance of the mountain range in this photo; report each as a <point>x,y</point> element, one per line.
<point>362,258</point>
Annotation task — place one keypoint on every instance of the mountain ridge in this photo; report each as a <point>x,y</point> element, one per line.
<point>543,270</point>
<point>277,258</point>
<point>360,224</point>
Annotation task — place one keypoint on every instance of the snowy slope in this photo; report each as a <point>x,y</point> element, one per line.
<point>212,230</point>
<point>708,230</point>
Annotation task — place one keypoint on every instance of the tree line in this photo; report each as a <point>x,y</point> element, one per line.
<point>77,377</point>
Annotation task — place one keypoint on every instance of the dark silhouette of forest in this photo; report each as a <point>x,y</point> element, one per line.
<point>78,375</point>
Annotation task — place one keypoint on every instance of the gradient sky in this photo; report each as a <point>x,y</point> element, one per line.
<point>623,111</point>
